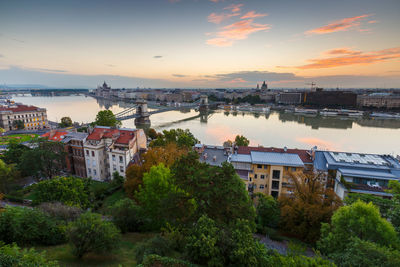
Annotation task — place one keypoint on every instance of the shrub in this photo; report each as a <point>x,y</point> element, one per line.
<point>29,226</point>
<point>126,215</point>
<point>157,245</point>
<point>90,233</point>
<point>61,212</point>
<point>156,260</point>
<point>12,255</point>
<point>268,212</point>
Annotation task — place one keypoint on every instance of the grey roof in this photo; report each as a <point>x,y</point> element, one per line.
<point>77,135</point>
<point>320,163</point>
<point>217,152</point>
<point>368,174</point>
<point>275,158</point>
<point>241,158</point>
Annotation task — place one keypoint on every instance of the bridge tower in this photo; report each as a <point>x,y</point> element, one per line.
<point>143,117</point>
<point>203,102</point>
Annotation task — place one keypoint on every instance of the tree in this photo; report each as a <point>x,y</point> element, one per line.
<point>65,122</point>
<point>162,200</point>
<point>310,205</point>
<point>27,226</point>
<point>183,138</point>
<point>359,220</point>
<point>71,191</point>
<point>106,118</point>
<point>90,233</point>
<point>60,211</point>
<point>19,124</point>
<point>154,156</point>
<point>14,152</point>
<point>219,192</point>
<point>12,255</point>
<point>394,212</point>
<point>126,215</point>
<point>8,174</point>
<point>384,204</point>
<point>152,134</point>
<point>240,140</point>
<point>268,211</point>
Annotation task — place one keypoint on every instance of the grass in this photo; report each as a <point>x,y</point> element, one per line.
<point>123,256</point>
<point>4,140</point>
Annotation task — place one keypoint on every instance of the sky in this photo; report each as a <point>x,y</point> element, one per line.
<point>200,43</point>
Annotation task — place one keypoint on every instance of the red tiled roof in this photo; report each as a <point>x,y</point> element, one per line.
<point>19,108</point>
<point>124,135</point>
<point>58,135</point>
<point>303,154</point>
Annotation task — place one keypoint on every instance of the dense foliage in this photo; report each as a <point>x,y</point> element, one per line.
<point>182,138</point>
<point>106,118</point>
<point>71,191</point>
<point>65,122</point>
<point>268,211</point>
<point>240,140</point>
<point>90,233</point>
<point>12,255</point>
<point>310,205</point>
<point>126,215</point>
<point>60,211</point>
<point>14,152</point>
<point>29,226</point>
<point>8,174</point>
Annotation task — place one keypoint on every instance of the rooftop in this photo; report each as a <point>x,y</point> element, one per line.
<point>214,155</point>
<point>302,153</point>
<point>269,158</point>
<point>18,108</point>
<point>123,136</point>
<point>55,135</point>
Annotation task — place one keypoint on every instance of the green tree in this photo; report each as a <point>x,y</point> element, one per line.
<point>27,226</point>
<point>384,204</point>
<point>219,192</point>
<point>394,212</point>
<point>8,174</point>
<point>14,152</point>
<point>162,200</point>
<point>65,122</point>
<point>240,140</point>
<point>183,138</point>
<point>12,255</point>
<point>19,124</point>
<point>90,233</point>
<point>268,211</point>
<point>71,191</point>
<point>106,118</point>
<point>359,220</point>
<point>126,215</point>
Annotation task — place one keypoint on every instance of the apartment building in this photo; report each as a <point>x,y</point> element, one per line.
<point>358,172</point>
<point>32,117</point>
<point>108,150</point>
<point>267,172</point>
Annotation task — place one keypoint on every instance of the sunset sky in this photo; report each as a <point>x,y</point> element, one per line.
<point>200,43</point>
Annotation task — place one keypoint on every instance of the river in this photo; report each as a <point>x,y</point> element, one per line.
<point>277,129</point>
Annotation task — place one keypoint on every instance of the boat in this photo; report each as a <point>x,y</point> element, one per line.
<point>385,115</point>
<point>305,111</point>
<point>328,112</point>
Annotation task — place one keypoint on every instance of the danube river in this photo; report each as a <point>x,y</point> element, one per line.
<point>273,129</point>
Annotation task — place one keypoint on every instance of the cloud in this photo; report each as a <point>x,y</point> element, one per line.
<point>234,8</point>
<point>342,51</point>
<point>50,70</point>
<point>179,75</point>
<point>157,56</point>
<point>252,15</point>
<point>218,18</point>
<point>253,76</point>
<point>236,31</point>
<point>372,21</point>
<point>345,24</point>
<point>352,58</point>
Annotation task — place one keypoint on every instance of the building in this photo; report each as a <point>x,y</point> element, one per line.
<point>108,150</point>
<point>104,91</point>
<point>357,172</point>
<point>379,100</point>
<point>289,98</point>
<point>264,86</point>
<point>213,155</point>
<point>32,117</point>
<point>322,98</point>
<point>75,153</point>
<point>267,172</point>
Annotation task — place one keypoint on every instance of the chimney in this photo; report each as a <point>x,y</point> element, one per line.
<point>285,149</point>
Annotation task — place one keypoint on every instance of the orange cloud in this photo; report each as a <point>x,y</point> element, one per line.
<point>342,51</point>
<point>218,18</point>
<point>252,15</point>
<point>346,58</point>
<point>340,25</point>
<point>236,31</point>
<point>234,7</point>
<point>317,142</point>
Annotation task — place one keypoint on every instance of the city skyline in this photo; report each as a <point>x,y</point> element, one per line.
<point>200,44</point>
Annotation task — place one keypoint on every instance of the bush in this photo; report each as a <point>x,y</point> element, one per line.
<point>71,191</point>
<point>275,259</point>
<point>27,226</point>
<point>12,255</point>
<point>156,260</point>
<point>268,212</point>
<point>91,234</point>
<point>61,212</point>
<point>126,215</point>
<point>157,245</point>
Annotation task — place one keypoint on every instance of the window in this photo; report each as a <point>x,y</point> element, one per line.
<point>87,152</point>
<point>259,166</point>
<point>275,184</point>
<point>261,186</point>
<point>255,176</point>
<point>89,171</point>
<point>113,157</point>
<point>265,166</point>
<point>293,169</point>
<point>94,172</point>
<point>114,167</point>
<point>276,174</point>
<point>121,159</point>
<point>286,168</point>
<point>250,179</point>
<point>262,176</point>
<point>92,153</point>
<point>121,169</point>
<point>275,194</point>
